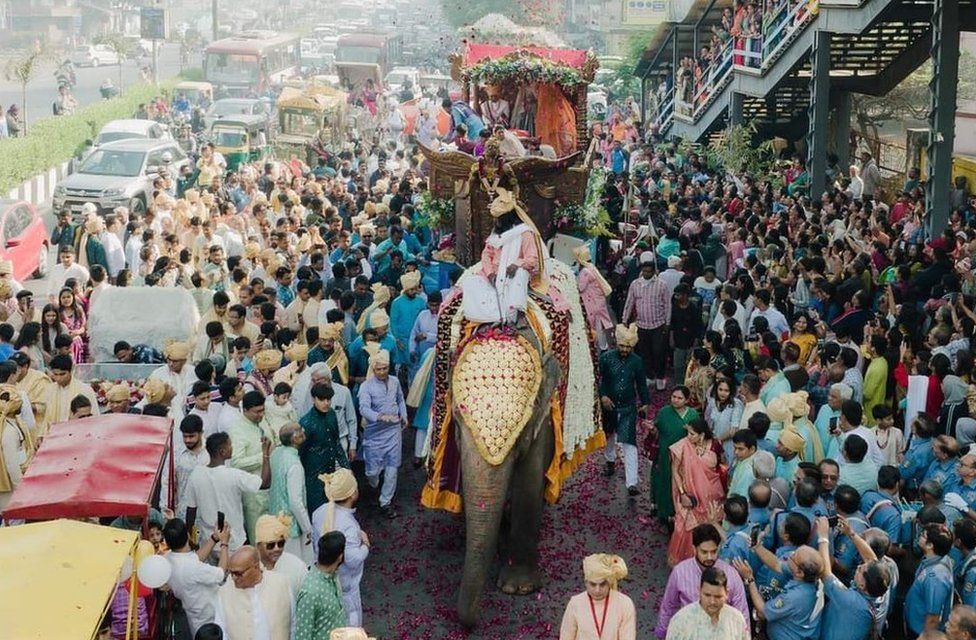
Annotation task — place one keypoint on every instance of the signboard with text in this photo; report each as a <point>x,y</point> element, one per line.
<point>644,12</point>
<point>153,23</point>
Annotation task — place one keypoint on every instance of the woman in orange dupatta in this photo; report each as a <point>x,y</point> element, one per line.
<point>696,486</point>
<point>555,119</point>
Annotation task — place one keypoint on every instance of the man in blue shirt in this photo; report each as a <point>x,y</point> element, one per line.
<point>829,478</point>
<point>965,571</point>
<point>738,538</point>
<point>845,552</point>
<point>795,613</point>
<point>849,613</point>
<point>929,599</point>
<point>962,493</point>
<point>919,456</point>
<point>6,336</point>
<point>882,509</point>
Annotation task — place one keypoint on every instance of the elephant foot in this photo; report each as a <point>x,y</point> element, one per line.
<point>468,608</point>
<point>519,579</point>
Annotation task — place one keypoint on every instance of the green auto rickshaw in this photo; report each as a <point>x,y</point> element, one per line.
<point>241,139</point>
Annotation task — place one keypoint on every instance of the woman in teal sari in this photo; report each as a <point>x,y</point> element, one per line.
<point>669,424</point>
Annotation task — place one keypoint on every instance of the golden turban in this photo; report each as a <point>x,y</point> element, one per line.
<point>296,352</point>
<point>268,255</point>
<point>582,254</point>
<point>117,392</point>
<point>259,198</point>
<point>380,358</point>
<point>304,244</point>
<point>381,293</point>
<point>6,290</point>
<point>367,228</point>
<point>626,335</point>
<point>154,391</point>
<point>382,208</point>
<point>505,202</point>
<point>444,255</point>
<point>369,209</point>
<point>339,485</point>
<point>192,195</point>
<point>94,225</point>
<point>6,267</point>
<point>410,280</point>
<point>267,359</point>
<point>797,403</point>
<point>269,528</point>
<point>10,400</point>
<point>252,250</point>
<point>604,566</point>
<point>778,410</point>
<point>378,318</point>
<point>177,350</point>
<point>207,198</point>
<point>349,633</point>
<point>792,440</point>
<point>358,220</point>
<point>331,331</point>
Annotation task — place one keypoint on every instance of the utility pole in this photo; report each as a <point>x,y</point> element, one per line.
<point>213,18</point>
<point>155,56</point>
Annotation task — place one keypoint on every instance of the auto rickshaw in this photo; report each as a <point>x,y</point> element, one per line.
<point>199,94</point>
<point>241,139</point>
<point>310,121</point>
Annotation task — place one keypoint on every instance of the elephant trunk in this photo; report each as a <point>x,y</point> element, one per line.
<point>485,488</point>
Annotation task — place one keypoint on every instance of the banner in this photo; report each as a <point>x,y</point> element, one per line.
<point>644,12</point>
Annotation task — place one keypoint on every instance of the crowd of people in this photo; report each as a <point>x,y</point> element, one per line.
<point>798,371</point>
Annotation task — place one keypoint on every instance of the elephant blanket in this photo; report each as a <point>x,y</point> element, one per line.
<point>574,408</point>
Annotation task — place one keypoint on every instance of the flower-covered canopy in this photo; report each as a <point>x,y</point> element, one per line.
<point>493,64</point>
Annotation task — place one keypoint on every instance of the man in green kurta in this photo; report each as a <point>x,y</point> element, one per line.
<point>322,450</point>
<point>246,434</point>
<point>622,383</point>
<point>287,492</point>
<point>318,604</point>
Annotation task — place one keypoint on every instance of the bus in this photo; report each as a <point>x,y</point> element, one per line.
<point>365,48</point>
<point>250,62</point>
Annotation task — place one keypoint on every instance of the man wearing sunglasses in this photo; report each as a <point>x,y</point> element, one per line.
<point>254,603</point>
<point>271,533</point>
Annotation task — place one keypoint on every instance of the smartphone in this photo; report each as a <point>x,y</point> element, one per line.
<point>833,425</point>
<point>832,520</point>
<point>754,535</point>
<point>220,521</point>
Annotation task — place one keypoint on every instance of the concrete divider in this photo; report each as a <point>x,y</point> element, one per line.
<point>40,188</point>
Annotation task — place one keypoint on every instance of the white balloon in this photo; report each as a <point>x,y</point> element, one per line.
<point>154,572</point>
<point>126,569</point>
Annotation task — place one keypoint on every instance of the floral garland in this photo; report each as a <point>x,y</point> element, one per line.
<point>524,70</point>
<point>435,213</point>
<point>589,219</point>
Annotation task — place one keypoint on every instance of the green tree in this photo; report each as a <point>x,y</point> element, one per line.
<point>735,150</point>
<point>24,70</point>
<point>119,45</point>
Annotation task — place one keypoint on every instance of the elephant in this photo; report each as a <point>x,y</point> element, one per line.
<point>519,476</point>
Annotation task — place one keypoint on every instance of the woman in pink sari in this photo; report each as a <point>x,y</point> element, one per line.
<point>696,486</point>
<point>74,319</point>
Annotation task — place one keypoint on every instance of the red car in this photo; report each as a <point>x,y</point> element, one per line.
<point>23,239</point>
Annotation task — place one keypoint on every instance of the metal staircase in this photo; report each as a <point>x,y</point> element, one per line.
<point>873,46</point>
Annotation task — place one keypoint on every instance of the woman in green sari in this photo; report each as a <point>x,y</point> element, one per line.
<point>670,427</point>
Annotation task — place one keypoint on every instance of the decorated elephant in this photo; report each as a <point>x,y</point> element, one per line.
<point>515,412</point>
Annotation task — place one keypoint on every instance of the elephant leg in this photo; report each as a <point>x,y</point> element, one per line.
<point>520,573</point>
<point>485,487</point>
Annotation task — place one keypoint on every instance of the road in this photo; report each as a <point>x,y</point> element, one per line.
<point>41,92</point>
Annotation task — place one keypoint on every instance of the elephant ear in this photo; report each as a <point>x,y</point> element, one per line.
<point>495,382</point>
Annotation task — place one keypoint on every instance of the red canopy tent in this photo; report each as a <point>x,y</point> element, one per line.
<point>102,466</point>
<point>474,53</point>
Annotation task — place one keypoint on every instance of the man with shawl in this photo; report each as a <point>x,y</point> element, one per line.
<point>330,351</point>
<point>384,410</point>
<point>403,314</point>
<point>339,514</point>
<point>16,443</point>
<point>381,297</point>
<point>622,384</point>
<point>266,362</point>
<point>287,493</point>
<point>177,375</point>
<point>511,261</point>
<point>594,289</point>
<point>322,450</point>
<point>57,401</point>
<point>601,611</point>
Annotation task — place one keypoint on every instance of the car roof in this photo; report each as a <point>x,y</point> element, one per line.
<point>137,144</point>
<point>131,124</point>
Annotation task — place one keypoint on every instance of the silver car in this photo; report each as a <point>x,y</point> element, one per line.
<point>119,174</point>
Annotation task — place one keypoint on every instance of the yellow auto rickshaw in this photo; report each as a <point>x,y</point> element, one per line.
<point>315,116</point>
<point>241,139</point>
